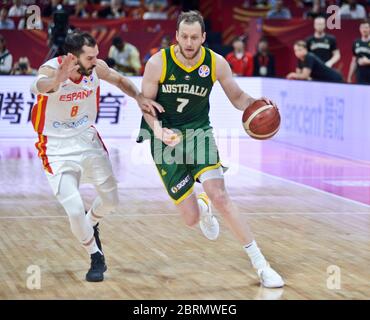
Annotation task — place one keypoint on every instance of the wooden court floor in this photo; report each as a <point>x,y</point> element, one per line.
<point>303,232</point>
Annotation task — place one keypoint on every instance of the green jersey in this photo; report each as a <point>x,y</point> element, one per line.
<point>184,92</point>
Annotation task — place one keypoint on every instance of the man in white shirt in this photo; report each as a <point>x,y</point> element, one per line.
<point>18,9</point>
<point>353,10</point>
<point>5,22</point>
<point>126,57</point>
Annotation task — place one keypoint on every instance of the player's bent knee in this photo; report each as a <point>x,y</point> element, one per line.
<point>108,192</point>
<point>73,206</point>
<point>110,201</point>
<point>219,199</point>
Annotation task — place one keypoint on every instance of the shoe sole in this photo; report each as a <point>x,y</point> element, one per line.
<point>97,279</point>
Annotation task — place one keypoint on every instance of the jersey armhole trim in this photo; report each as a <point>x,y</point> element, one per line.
<point>164,66</point>
<point>213,66</point>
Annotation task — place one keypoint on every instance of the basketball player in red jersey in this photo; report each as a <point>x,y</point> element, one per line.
<point>71,149</point>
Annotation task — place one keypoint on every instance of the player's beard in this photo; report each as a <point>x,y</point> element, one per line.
<point>84,71</point>
<point>193,56</point>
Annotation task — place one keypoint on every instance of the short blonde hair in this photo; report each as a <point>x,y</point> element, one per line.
<point>189,18</point>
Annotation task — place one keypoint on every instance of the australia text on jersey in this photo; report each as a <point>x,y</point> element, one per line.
<point>185,88</point>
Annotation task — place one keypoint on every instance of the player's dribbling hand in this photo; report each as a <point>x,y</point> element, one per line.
<point>149,105</point>
<point>66,68</point>
<point>268,101</point>
<point>168,137</point>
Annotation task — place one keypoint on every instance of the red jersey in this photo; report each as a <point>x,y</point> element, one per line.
<point>243,66</point>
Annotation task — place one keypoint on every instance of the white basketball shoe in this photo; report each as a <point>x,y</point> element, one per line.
<point>269,278</point>
<point>208,222</point>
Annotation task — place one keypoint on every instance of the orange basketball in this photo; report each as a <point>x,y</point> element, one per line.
<point>261,120</point>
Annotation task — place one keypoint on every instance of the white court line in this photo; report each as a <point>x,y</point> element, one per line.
<point>330,177</point>
<point>306,186</point>
<point>109,216</point>
<point>177,214</point>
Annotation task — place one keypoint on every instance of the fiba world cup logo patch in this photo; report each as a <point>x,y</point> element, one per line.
<point>204,71</point>
<point>88,79</point>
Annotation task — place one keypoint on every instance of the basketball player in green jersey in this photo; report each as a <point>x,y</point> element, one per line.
<point>180,78</point>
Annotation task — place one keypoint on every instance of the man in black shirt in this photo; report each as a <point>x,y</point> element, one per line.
<point>323,45</point>
<point>310,67</point>
<point>361,56</point>
<point>264,61</point>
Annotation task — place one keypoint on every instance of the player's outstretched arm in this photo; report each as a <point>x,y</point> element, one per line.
<point>150,83</point>
<point>127,86</point>
<point>240,99</point>
<point>49,79</point>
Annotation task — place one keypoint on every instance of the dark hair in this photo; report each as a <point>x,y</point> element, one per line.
<point>320,16</point>
<point>76,40</point>
<point>239,39</point>
<point>189,18</point>
<point>301,43</point>
<point>263,39</point>
<point>117,41</point>
<point>365,21</point>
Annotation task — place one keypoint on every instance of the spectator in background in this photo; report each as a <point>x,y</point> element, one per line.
<point>51,7</point>
<point>126,57</point>
<point>138,3</point>
<point>310,67</point>
<point>34,23</point>
<point>259,3</point>
<point>155,12</point>
<point>23,67</point>
<point>279,11</point>
<point>6,59</point>
<point>81,9</point>
<point>112,10</point>
<point>323,45</point>
<point>241,62</point>
<point>317,9</point>
<point>18,9</point>
<point>132,3</point>
<point>360,63</point>
<point>163,4</point>
<point>31,2</point>
<point>5,22</point>
<point>263,61</point>
<point>165,43</point>
<point>353,10</point>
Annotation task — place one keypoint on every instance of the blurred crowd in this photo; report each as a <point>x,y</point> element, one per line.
<point>108,9</point>
<point>316,56</point>
<point>161,9</point>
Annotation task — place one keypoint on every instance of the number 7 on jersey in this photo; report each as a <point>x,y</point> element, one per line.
<point>182,105</point>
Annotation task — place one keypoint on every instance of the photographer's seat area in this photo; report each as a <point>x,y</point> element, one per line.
<point>20,67</point>
<point>23,67</point>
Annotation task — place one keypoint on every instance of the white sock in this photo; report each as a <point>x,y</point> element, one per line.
<point>92,219</point>
<point>92,248</point>
<point>256,256</point>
